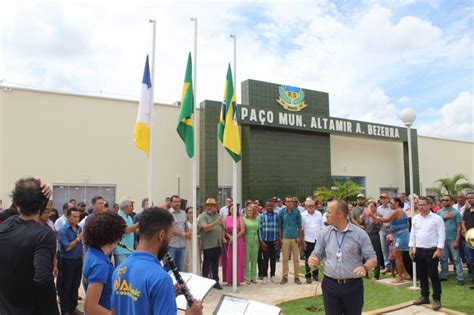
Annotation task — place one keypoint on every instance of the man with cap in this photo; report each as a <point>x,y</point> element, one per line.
<point>128,239</point>
<point>358,210</point>
<point>384,210</point>
<point>211,227</point>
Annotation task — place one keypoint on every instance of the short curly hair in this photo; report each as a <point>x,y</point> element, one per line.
<point>27,196</point>
<point>103,229</point>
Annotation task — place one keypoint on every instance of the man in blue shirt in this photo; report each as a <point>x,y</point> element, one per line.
<point>269,239</point>
<point>291,235</point>
<point>140,284</point>
<point>453,225</point>
<point>128,239</point>
<point>70,268</point>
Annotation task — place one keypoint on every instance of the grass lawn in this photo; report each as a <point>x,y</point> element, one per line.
<point>378,296</point>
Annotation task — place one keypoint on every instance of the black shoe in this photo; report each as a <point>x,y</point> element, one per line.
<point>308,280</point>
<point>436,305</point>
<point>460,282</point>
<point>316,278</point>
<point>217,286</point>
<point>443,279</point>
<point>422,300</point>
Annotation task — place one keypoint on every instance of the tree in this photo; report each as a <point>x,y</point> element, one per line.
<point>347,191</point>
<point>451,185</point>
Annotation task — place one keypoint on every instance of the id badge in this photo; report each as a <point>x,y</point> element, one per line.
<point>339,256</point>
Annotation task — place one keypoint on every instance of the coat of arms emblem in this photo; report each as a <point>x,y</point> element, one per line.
<point>291,98</point>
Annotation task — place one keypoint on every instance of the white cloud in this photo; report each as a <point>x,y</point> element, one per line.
<point>456,119</point>
<point>356,56</point>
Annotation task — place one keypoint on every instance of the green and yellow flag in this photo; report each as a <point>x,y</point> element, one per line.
<point>228,127</point>
<point>185,120</point>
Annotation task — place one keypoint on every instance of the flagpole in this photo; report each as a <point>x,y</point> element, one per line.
<point>195,253</point>
<point>150,156</point>
<point>234,187</point>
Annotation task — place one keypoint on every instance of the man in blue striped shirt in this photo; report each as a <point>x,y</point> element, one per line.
<point>269,240</point>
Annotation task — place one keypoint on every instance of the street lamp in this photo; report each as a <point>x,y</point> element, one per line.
<point>408,116</point>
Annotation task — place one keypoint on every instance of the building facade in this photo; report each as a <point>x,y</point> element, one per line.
<point>83,146</point>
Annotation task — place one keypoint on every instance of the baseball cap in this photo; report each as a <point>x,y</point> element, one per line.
<point>360,196</point>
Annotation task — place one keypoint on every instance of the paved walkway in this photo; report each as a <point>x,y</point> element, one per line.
<point>270,293</point>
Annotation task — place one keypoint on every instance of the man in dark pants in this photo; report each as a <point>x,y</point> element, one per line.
<point>468,223</point>
<point>269,242</point>
<point>211,227</point>
<point>342,247</point>
<point>70,268</point>
<point>312,224</point>
<point>427,238</point>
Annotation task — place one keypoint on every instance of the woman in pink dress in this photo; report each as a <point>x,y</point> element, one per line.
<point>227,249</point>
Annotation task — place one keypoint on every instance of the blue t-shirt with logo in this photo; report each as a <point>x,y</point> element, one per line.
<point>98,269</point>
<point>141,286</point>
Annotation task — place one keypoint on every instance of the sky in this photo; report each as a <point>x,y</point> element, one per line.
<point>374,58</point>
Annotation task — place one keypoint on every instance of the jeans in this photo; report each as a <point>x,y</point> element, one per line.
<point>427,267</point>
<point>119,258</point>
<point>375,240</point>
<point>269,254</point>
<point>307,253</point>
<point>69,280</point>
<point>211,260</point>
<point>448,248</point>
<point>385,251</point>
<point>347,299</point>
<point>178,254</point>
<point>470,259</point>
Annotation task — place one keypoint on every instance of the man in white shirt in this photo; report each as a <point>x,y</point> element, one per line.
<point>181,234</point>
<point>312,224</point>
<point>426,244</point>
<point>224,211</point>
<point>62,220</point>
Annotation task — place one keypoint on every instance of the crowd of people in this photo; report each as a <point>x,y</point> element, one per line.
<point>115,253</point>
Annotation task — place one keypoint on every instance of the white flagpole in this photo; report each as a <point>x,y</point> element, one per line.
<point>194,266</point>
<point>150,156</point>
<point>234,187</point>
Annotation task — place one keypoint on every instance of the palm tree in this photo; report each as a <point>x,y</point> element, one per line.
<point>450,185</point>
<point>347,191</point>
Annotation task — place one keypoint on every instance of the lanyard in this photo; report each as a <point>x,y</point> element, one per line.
<point>339,244</point>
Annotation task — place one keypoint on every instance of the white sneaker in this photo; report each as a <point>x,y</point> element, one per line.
<point>264,280</point>
<point>273,280</point>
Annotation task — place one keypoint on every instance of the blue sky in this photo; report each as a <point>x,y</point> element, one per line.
<point>374,58</point>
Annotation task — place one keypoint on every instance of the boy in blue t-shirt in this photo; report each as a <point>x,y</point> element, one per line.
<point>140,284</point>
<point>101,235</point>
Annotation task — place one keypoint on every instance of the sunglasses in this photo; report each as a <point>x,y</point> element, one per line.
<point>444,200</point>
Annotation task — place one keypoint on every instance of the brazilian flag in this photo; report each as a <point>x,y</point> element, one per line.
<point>228,127</point>
<point>185,120</point>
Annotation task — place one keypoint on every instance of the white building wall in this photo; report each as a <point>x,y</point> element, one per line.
<point>440,158</point>
<point>73,139</point>
<point>380,162</point>
<point>82,140</point>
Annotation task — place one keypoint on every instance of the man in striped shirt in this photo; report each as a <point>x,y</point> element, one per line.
<point>269,241</point>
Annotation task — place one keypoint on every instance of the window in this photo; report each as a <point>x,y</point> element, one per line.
<point>66,192</point>
<point>390,191</point>
<point>224,193</point>
<point>359,180</point>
